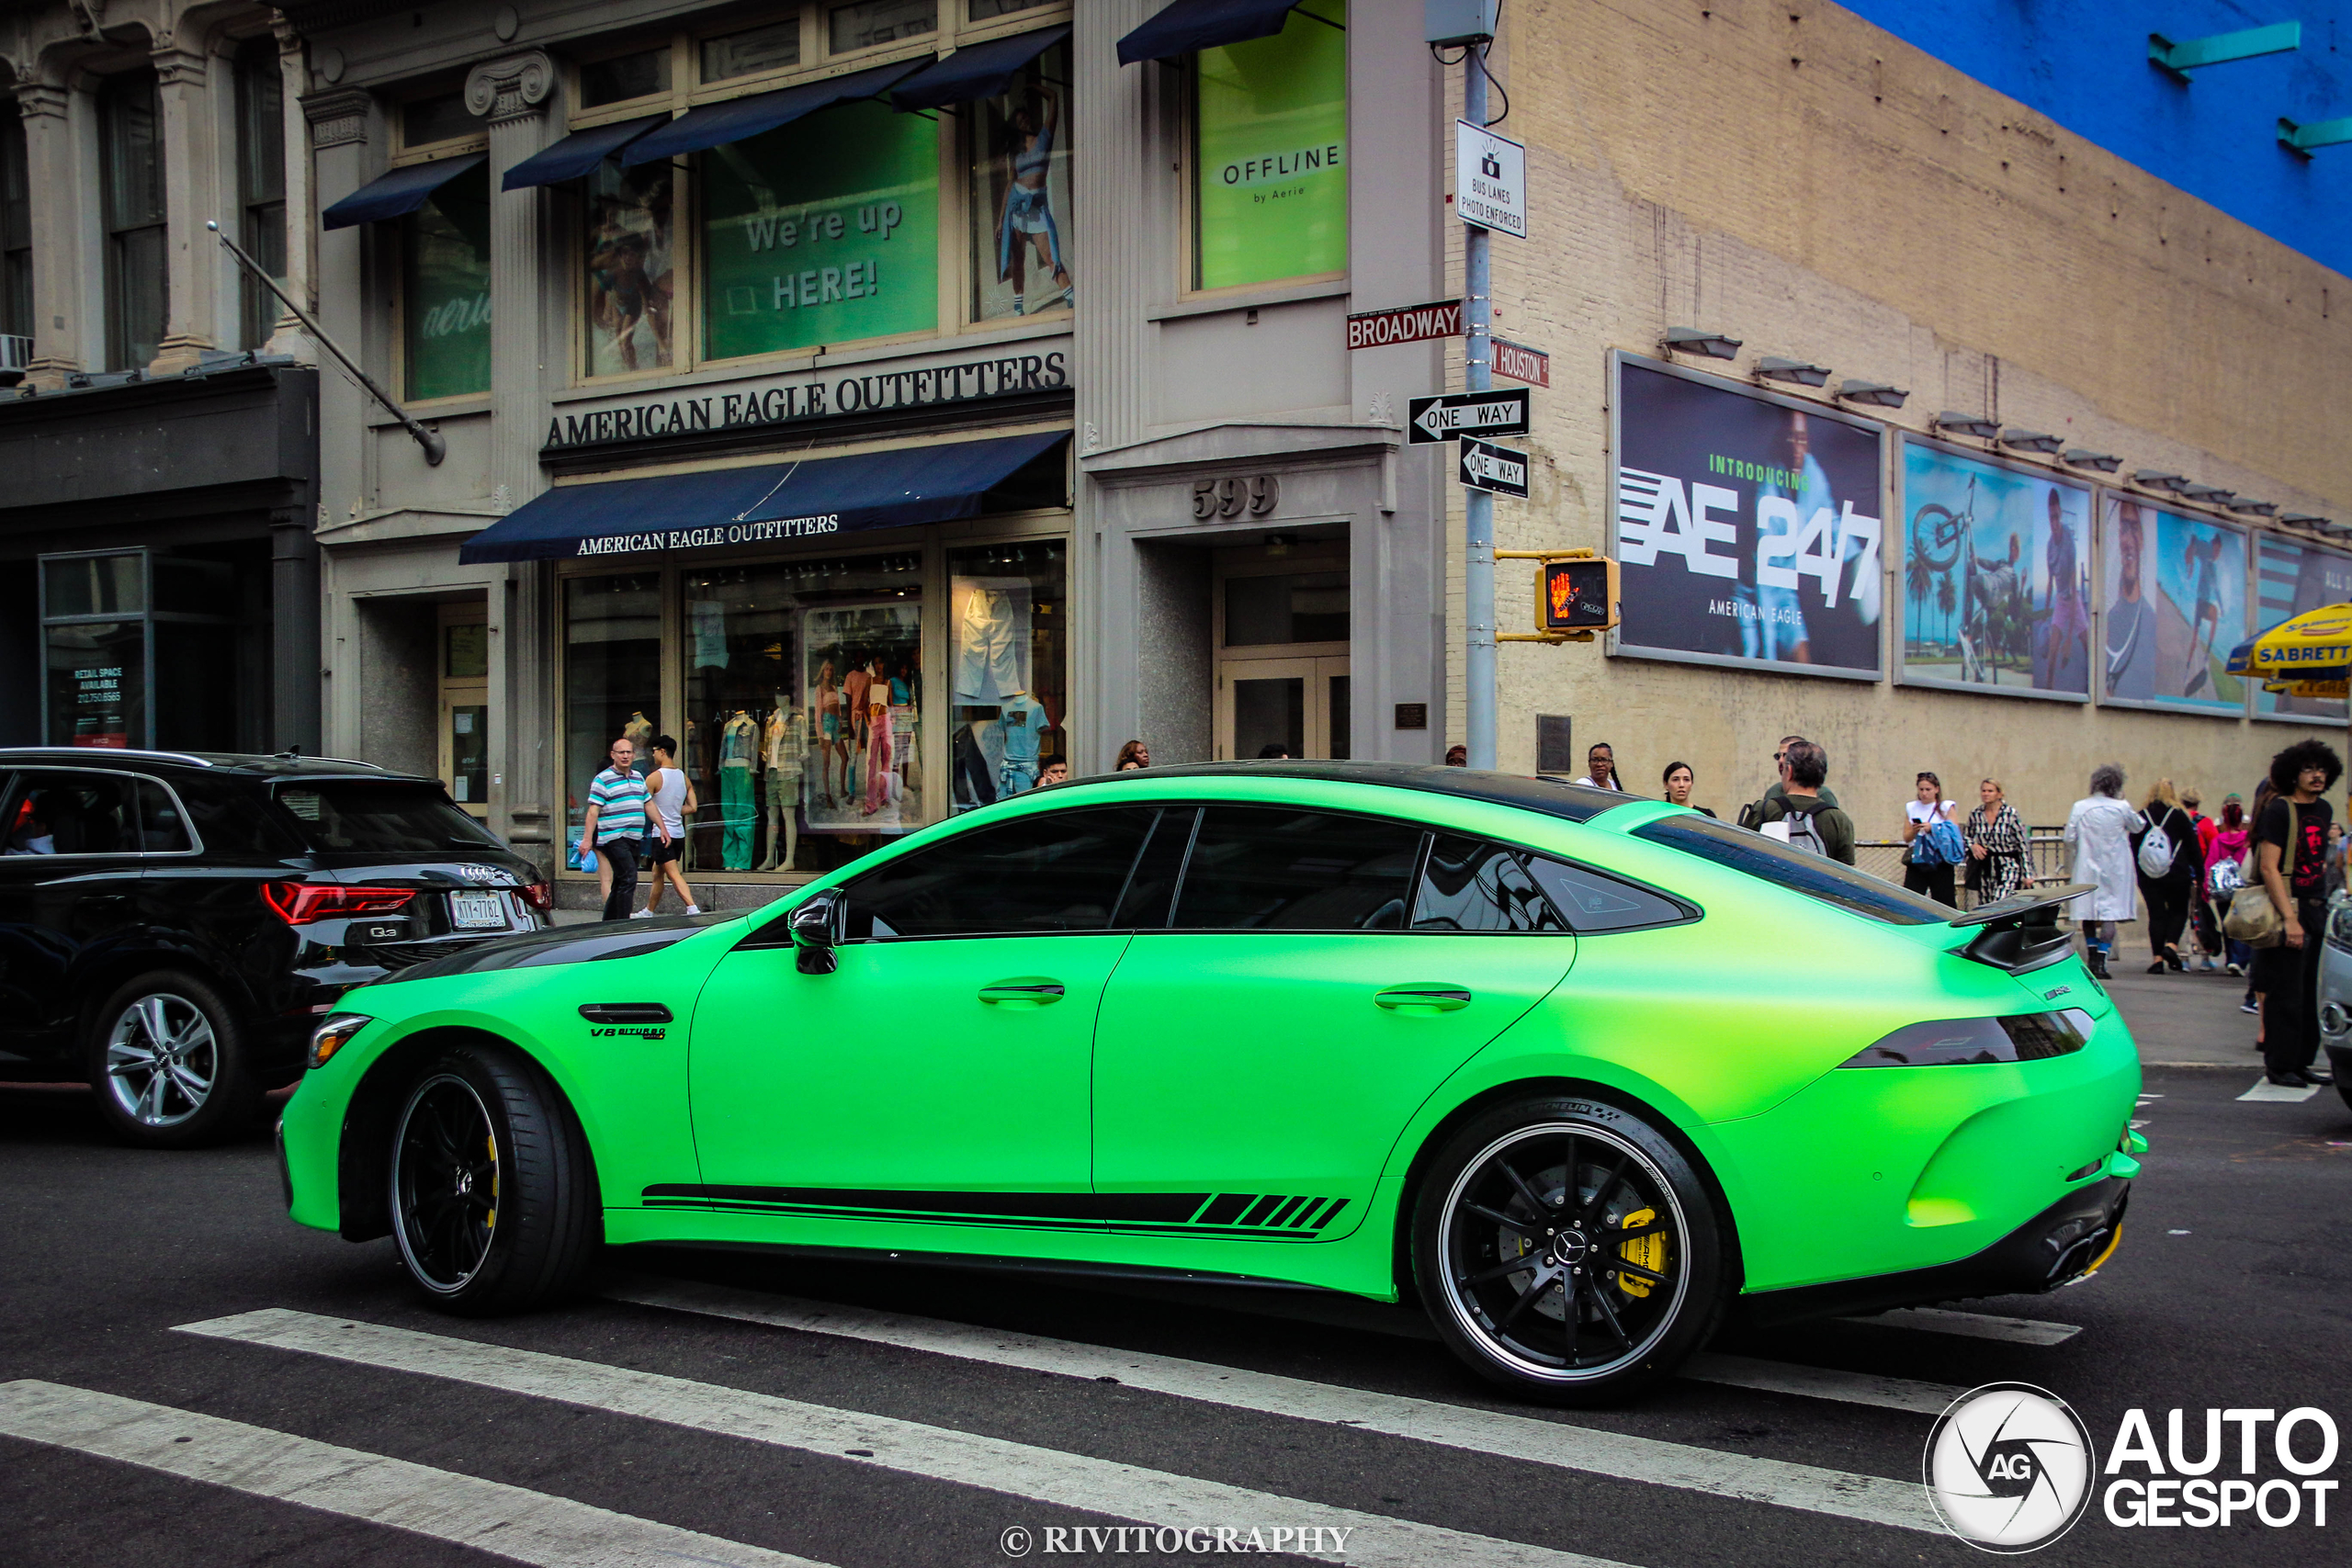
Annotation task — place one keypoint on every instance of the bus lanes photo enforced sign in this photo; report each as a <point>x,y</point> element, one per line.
<point>1489,179</point>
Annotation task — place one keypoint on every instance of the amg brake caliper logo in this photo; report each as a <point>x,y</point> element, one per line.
<point>2009,1467</point>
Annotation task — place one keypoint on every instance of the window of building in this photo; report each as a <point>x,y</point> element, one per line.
<point>1008,613</point>
<point>612,677</point>
<point>1021,194</point>
<point>138,285</point>
<point>989,10</point>
<point>770,47</point>
<point>1270,145</point>
<point>16,227</point>
<point>629,250</point>
<point>148,649</point>
<point>261,184</point>
<point>624,77</point>
<point>869,24</point>
<point>442,117</point>
<point>445,292</point>
<point>825,230</point>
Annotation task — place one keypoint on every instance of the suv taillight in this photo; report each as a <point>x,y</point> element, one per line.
<point>301,903</point>
<point>539,896</point>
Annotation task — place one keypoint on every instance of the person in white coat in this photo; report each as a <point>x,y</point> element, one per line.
<point>2098,835</point>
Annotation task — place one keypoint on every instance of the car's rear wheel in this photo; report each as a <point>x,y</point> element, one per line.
<point>167,1064</point>
<point>1566,1250</point>
<point>493,1195</point>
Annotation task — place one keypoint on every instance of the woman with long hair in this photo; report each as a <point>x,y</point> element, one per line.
<point>2098,832</point>
<point>2169,895</point>
<point>1996,844</point>
<point>1679,779</point>
<point>1134,754</point>
<point>1922,871</point>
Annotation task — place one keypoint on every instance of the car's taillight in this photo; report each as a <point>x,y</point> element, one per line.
<point>301,903</point>
<point>540,896</point>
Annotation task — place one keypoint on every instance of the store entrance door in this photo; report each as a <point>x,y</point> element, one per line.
<point>1282,649</point>
<point>1298,704</point>
<point>464,728</point>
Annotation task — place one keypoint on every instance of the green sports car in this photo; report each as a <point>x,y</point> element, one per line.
<point>1581,1072</point>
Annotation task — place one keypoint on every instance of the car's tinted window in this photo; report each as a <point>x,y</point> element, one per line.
<point>161,828</point>
<point>71,814</point>
<point>1593,903</point>
<point>1262,868</point>
<point>1152,889</point>
<point>1057,871</point>
<point>1473,886</point>
<point>363,815</point>
<point>1830,881</point>
<point>237,821</point>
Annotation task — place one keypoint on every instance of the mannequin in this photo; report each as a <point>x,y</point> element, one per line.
<point>738,744</point>
<point>1024,722</point>
<point>640,731</point>
<point>784,748</point>
<point>693,764</point>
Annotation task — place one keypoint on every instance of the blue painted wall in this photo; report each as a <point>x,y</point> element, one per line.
<point>2085,63</point>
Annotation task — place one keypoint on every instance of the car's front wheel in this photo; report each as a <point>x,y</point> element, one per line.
<point>1566,1250</point>
<point>167,1062</point>
<point>494,1194</point>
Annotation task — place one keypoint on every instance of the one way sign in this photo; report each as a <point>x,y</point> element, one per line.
<point>1500,413</point>
<point>1487,466</point>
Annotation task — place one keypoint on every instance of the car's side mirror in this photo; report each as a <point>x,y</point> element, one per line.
<point>814,936</point>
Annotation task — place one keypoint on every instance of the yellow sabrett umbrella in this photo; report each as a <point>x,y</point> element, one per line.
<point>2338,690</point>
<point>2315,644</point>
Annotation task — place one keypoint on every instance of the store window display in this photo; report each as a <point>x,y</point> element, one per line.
<point>1008,612</point>
<point>612,674</point>
<point>628,248</point>
<point>1021,194</point>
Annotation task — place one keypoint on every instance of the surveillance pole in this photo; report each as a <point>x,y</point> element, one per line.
<point>1478,506</point>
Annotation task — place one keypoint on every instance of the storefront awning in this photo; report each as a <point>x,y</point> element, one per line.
<point>982,71</point>
<point>397,193</point>
<point>1188,26</point>
<point>739,118</point>
<point>577,154</point>
<point>780,503</point>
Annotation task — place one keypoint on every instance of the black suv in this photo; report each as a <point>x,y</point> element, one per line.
<point>173,924</point>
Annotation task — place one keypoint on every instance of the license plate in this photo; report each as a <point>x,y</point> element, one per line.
<point>477,911</point>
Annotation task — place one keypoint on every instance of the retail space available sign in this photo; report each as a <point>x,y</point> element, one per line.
<point>1502,411</point>
<point>1489,179</point>
<point>1747,528</point>
<point>1405,323</point>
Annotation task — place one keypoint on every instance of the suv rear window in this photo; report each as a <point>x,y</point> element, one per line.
<point>361,815</point>
<point>1832,881</point>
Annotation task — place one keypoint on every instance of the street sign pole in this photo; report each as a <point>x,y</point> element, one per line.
<point>1478,506</point>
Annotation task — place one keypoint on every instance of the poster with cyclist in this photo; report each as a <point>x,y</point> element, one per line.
<point>1996,576</point>
<point>2291,578</point>
<point>2173,591</point>
<point>1748,526</point>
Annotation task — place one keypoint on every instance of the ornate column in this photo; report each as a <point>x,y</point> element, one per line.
<point>191,194</point>
<point>287,335</point>
<point>512,94</point>
<point>66,304</point>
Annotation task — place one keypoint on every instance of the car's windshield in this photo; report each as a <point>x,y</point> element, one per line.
<point>1830,881</point>
<point>361,815</point>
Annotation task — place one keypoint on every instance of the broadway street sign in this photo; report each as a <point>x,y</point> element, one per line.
<point>1485,466</point>
<point>1502,411</point>
<point>1405,323</point>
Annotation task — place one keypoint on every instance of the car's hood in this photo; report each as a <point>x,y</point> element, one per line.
<point>562,944</point>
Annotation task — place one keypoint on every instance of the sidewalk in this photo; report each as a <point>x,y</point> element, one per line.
<point>2184,1021</point>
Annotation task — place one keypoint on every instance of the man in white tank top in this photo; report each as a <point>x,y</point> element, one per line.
<point>669,806</point>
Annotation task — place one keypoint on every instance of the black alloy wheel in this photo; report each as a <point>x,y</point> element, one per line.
<point>494,1194</point>
<point>1565,1249</point>
<point>166,1061</point>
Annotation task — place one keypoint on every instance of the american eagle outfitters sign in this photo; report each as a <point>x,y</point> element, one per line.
<point>974,380</point>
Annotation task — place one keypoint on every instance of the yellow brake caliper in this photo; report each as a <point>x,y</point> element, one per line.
<point>1644,1251</point>
<point>490,1219</point>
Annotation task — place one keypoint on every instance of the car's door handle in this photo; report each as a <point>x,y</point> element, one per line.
<point>1422,998</point>
<point>1022,993</point>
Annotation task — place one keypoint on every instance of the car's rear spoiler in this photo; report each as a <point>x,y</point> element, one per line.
<point>2021,933</point>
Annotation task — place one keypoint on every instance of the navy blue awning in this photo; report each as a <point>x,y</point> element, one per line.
<point>738,119</point>
<point>1188,26</point>
<point>577,154</point>
<point>780,503</point>
<point>398,193</point>
<point>982,71</point>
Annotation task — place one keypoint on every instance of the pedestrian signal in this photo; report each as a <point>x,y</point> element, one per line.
<point>1575,595</point>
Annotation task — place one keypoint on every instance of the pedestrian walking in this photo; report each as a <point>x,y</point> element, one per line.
<point>1600,768</point>
<point>2164,849</point>
<point>1679,779</point>
<point>2201,922</point>
<point>2225,852</point>
<point>616,826</point>
<point>1134,754</point>
<point>2098,832</point>
<point>1457,756</point>
<point>1750,816</point>
<point>670,797</point>
<point>1996,845</point>
<point>2251,870</point>
<point>2290,847</point>
<point>2336,845</point>
<point>1936,845</point>
<point>1805,815</point>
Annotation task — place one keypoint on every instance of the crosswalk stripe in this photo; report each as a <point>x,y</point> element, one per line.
<point>1871,1498</point>
<point>2291,1094</point>
<point>507,1521</point>
<point>938,1453</point>
<point>1973,1325</point>
<point>1822,1382</point>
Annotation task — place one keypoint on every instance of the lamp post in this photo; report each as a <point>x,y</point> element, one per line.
<point>1478,506</point>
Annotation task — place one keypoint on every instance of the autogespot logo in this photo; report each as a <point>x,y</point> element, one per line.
<point>2009,1467</point>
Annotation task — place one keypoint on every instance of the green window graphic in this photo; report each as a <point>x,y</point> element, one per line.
<point>1269,176</point>
<point>446,265</point>
<point>825,230</point>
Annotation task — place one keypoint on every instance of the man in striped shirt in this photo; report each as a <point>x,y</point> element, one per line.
<point>616,827</point>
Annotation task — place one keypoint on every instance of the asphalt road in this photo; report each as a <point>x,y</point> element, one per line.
<point>858,1418</point>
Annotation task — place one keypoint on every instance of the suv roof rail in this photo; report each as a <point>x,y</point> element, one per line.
<point>89,754</point>
<point>347,761</point>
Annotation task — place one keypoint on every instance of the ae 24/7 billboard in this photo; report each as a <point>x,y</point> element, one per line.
<point>1748,526</point>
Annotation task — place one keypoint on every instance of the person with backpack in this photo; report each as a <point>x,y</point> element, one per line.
<point>1936,848</point>
<point>1805,816</point>
<point>2165,849</point>
<point>1750,815</point>
<point>2098,832</point>
<point>2225,850</point>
